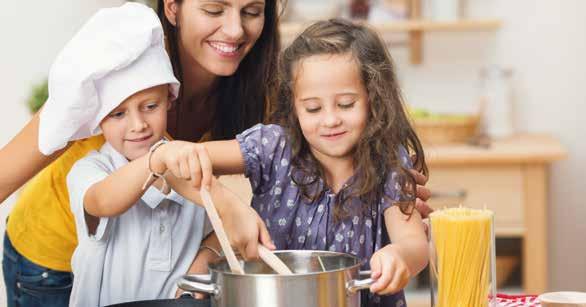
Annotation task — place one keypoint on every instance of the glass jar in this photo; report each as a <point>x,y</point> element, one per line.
<point>462,258</point>
<point>497,102</point>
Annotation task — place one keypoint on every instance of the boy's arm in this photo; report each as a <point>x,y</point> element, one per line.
<point>244,227</point>
<point>120,190</point>
<point>407,235</point>
<point>21,159</point>
<point>117,192</point>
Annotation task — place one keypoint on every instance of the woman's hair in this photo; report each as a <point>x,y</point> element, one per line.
<point>387,129</point>
<point>242,99</point>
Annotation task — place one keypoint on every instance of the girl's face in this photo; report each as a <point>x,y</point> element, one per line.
<point>331,104</point>
<point>138,122</point>
<point>217,34</point>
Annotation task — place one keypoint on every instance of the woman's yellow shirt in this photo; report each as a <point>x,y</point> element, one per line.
<point>41,226</point>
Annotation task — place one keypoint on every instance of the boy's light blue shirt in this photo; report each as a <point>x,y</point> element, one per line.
<point>138,255</point>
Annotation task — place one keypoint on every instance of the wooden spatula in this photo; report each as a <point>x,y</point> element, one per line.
<point>219,229</point>
<point>273,261</point>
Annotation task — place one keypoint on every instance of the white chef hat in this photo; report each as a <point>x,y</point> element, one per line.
<point>118,52</point>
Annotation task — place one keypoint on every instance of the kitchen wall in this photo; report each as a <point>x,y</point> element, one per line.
<point>32,33</point>
<point>543,41</point>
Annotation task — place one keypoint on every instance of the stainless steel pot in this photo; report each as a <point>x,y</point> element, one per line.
<point>321,279</point>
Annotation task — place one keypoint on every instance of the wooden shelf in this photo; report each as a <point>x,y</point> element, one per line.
<point>290,29</point>
<point>517,149</point>
<point>414,27</point>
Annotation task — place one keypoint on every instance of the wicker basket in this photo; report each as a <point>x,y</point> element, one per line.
<point>448,130</point>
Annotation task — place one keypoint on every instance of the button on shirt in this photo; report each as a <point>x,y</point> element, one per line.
<point>138,255</point>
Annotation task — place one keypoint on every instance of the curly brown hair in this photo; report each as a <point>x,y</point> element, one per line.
<point>388,128</point>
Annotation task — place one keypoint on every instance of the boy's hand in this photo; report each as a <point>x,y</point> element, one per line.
<point>390,271</point>
<point>244,227</point>
<point>185,160</point>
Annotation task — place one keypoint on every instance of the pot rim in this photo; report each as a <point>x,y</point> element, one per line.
<point>301,251</point>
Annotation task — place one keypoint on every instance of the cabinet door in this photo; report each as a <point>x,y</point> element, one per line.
<point>498,188</point>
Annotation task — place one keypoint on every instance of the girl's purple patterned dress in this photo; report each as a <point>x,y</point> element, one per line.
<point>294,223</point>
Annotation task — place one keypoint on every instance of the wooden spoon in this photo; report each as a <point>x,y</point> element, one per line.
<point>273,261</point>
<point>220,232</point>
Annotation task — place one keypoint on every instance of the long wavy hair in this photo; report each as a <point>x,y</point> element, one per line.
<point>242,99</point>
<point>387,129</point>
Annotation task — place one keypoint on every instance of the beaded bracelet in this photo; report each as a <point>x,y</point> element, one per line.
<point>153,176</point>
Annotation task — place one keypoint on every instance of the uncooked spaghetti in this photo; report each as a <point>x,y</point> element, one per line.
<point>463,247</point>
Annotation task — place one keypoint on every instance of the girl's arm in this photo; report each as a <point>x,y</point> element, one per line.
<point>21,159</point>
<point>396,263</point>
<point>408,235</point>
<point>226,157</point>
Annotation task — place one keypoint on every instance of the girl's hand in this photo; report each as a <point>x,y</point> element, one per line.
<point>390,271</point>
<point>185,160</point>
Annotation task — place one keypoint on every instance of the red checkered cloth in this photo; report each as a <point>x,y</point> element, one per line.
<point>504,300</point>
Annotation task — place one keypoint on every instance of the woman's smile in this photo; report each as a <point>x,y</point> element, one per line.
<point>229,50</point>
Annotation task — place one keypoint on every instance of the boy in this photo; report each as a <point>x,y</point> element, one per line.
<point>135,240</point>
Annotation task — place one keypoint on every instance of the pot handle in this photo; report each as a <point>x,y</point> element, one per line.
<point>364,273</point>
<point>355,285</point>
<point>198,283</point>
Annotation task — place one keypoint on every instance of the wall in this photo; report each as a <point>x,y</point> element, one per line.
<point>544,43</point>
<point>32,33</point>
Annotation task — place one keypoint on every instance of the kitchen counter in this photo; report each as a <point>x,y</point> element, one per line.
<point>510,178</point>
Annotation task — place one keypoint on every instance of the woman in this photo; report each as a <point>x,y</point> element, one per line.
<point>224,54</point>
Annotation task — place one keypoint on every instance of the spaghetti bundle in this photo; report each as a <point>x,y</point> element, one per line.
<point>463,247</point>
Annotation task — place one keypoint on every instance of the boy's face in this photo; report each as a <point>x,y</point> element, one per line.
<point>138,122</point>
<point>331,104</point>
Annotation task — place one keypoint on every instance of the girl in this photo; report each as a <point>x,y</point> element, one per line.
<point>334,174</point>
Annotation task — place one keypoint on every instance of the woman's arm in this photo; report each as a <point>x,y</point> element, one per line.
<point>422,193</point>
<point>21,159</point>
<point>206,255</point>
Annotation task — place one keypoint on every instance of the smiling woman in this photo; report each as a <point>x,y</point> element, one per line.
<point>223,52</point>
